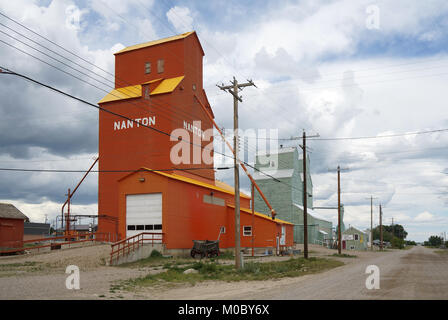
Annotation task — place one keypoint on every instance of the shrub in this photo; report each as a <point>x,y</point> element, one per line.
<point>155,254</point>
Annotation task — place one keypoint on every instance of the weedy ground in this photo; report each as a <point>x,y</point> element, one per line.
<point>343,255</point>
<point>213,270</point>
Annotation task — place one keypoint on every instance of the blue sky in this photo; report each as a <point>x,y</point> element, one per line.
<point>317,67</point>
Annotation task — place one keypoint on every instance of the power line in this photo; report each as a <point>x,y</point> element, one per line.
<point>105,110</point>
<point>76,77</point>
<point>284,87</point>
<point>154,104</point>
<point>352,138</point>
<point>379,137</point>
<point>170,51</point>
<point>106,171</point>
<point>117,78</point>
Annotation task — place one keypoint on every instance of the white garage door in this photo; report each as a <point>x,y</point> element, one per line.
<point>143,213</point>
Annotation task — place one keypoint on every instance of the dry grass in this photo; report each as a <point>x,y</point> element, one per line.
<point>252,271</point>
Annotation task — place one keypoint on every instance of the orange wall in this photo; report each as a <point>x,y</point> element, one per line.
<point>133,148</point>
<point>11,233</point>
<point>186,217</point>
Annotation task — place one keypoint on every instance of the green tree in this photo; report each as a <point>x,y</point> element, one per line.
<point>389,232</point>
<point>399,231</point>
<point>435,241</point>
<point>387,235</point>
<point>397,243</point>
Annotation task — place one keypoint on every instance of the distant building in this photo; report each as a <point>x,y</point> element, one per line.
<point>34,230</point>
<point>354,239</point>
<point>283,186</point>
<point>11,226</point>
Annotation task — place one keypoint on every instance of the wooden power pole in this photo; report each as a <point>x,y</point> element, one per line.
<point>339,208</point>
<point>371,222</point>
<point>305,202</point>
<point>234,89</point>
<point>381,228</point>
<point>305,196</point>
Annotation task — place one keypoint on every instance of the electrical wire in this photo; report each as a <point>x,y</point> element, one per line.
<point>108,171</point>
<point>108,111</point>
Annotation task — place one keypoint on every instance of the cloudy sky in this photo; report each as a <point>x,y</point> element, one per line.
<point>336,68</point>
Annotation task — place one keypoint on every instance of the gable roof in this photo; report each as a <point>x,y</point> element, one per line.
<point>355,229</point>
<point>261,215</point>
<point>159,41</point>
<point>311,212</point>
<point>219,185</point>
<point>130,92</point>
<point>9,211</point>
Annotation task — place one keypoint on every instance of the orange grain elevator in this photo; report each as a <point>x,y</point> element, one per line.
<point>157,85</point>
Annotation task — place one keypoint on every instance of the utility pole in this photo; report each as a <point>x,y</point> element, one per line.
<point>339,208</point>
<point>371,221</point>
<point>253,218</point>
<point>305,202</point>
<point>67,225</point>
<point>381,228</point>
<point>234,89</point>
<point>305,196</point>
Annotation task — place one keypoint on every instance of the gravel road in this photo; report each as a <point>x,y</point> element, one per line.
<point>418,273</point>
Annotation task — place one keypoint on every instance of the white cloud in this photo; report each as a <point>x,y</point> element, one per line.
<point>181,18</point>
<point>424,217</point>
<point>288,52</point>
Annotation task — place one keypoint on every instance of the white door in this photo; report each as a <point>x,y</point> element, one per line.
<point>143,213</point>
<point>283,237</point>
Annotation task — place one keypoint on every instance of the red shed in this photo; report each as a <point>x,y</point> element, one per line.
<point>11,226</point>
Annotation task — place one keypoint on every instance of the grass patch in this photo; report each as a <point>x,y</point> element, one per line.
<point>441,251</point>
<point>225,255</point>
<point>343,255</point>
<point>155,259</point>
<point>213,271</point>
<point>18,265</point>
<point>27,266</point>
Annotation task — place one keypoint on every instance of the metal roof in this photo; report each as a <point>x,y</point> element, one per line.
<point>220,186</point>
<point>155,42</point>
<point>130,92</point>
<point>273,173</point>
<point>356,229</point>
<point>123,93</point>
<point>261,215</point>
<point>167,85</point>
<point>9,211</point>
<point>312,212</point>
<point>36,228</point>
